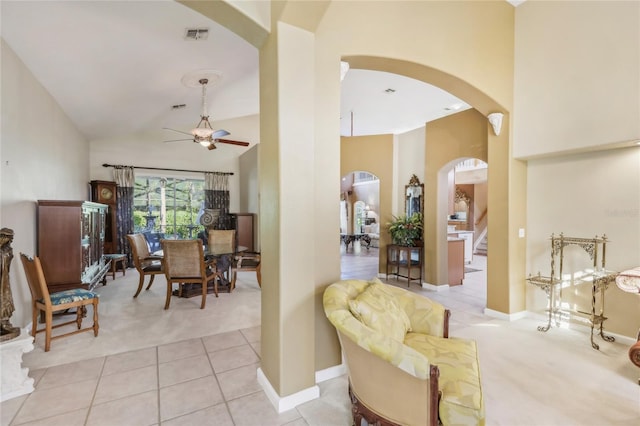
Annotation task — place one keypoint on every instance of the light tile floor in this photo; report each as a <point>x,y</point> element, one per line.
<point>202,381</point>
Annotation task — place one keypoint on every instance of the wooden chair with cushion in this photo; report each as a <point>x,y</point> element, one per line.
<point>184,263</point>
<point>246,261</point>
<point>48,303</point>
<point>145,262</point>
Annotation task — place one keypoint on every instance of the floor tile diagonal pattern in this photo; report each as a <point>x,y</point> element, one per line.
<point>147,368</point>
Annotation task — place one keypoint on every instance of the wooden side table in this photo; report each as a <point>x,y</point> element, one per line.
<point>407,258</point>
<point>115,259</point>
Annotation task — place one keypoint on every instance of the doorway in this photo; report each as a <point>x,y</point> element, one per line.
<point>359,225</point>
<point>467,221</point>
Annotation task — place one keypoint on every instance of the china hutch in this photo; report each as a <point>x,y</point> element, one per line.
<point>71,243</point>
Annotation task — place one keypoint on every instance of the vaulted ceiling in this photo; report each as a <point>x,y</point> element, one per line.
<point>115,67</point>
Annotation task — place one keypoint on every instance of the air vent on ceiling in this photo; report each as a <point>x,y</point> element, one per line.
<point>196,33</point>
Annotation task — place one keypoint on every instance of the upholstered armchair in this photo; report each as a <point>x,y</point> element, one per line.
<point>403,368</point>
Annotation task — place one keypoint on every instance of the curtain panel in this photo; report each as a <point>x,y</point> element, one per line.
<point>216,197</point>
<point>124,177</point>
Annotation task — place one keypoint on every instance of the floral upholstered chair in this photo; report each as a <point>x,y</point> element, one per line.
<point>403,368</point>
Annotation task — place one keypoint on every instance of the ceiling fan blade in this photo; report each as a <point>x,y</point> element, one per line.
<point>220,133</point>
<point>231,142</point>
<point>211,146</point>
<point>179,140</point>
<point>179,131</point>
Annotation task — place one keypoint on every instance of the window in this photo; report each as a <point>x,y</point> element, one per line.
<point>170,206</point>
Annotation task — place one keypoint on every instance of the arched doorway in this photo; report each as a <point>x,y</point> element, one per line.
<point>359,225</point>
<point>467,216</point>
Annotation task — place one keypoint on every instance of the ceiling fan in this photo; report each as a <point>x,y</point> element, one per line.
<point>203,133</point>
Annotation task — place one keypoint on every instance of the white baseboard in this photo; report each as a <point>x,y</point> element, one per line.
<point>432,287</point>
<point>506,317</point>
<point>331,372</point>
<point>282,404</point>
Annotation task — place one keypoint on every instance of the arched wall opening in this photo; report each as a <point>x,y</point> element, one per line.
<point>447,141</point>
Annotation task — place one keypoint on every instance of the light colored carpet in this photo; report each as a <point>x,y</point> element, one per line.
<point>128,324</point>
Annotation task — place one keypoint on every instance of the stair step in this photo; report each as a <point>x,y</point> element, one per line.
<point>481,248</point>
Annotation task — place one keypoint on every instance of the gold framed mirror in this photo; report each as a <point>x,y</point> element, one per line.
<point>414,197</point>
<point>461,206</point>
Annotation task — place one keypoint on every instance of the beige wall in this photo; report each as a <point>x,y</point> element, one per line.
<point>248,189</point>
<point>409,161</point>
<point>44,156</point>
<point>577,89</point>
<point>577,68</point>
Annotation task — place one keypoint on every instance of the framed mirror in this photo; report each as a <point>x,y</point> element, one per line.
<point>461,206</point>
<point>414,197</point>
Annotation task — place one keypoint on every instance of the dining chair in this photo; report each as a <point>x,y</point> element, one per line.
<point>246,261</point>
<point>48,303</point>
<point>145,262</point>
<point>184,263</point>
<point>223,242</point>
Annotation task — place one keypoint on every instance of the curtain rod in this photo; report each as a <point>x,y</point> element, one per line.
<point>170,170</point>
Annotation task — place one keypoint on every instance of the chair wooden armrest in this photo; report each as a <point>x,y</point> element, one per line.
<point>247,256</point>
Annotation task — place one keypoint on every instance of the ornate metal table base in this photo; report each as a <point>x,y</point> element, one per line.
<point>600,279</point>
<point>350,238</point>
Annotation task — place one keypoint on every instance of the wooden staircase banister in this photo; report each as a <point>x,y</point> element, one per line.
<point>484,213</point>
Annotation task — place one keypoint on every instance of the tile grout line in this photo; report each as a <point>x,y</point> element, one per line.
<point>95,391</point>
<point>158,382</point>
<point>215,375</point>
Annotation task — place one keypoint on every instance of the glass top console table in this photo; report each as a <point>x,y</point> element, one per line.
<point>598,276</point>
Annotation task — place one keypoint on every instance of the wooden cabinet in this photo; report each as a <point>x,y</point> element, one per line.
<point>104,192</point>
<point>468,244</point>
<point>456,260</point>
<point>245,230</point>
<point>71,243</point>
<point>402,260</point>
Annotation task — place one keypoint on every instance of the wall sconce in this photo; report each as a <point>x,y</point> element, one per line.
<point>344,68</point>
<point>495,118</point>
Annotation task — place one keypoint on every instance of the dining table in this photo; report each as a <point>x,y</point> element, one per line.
<point>222,260</point>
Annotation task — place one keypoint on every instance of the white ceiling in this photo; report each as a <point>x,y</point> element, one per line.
<point>115,68</point>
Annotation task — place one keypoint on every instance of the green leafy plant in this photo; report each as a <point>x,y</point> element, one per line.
<point>406,230</point>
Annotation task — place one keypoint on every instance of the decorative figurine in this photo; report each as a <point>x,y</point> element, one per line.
<point>6,300</point>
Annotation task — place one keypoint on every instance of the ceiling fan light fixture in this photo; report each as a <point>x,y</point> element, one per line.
<point>203,129</point>
<point>204,142</point>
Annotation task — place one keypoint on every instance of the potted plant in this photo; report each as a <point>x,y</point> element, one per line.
<point>406,230</point>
